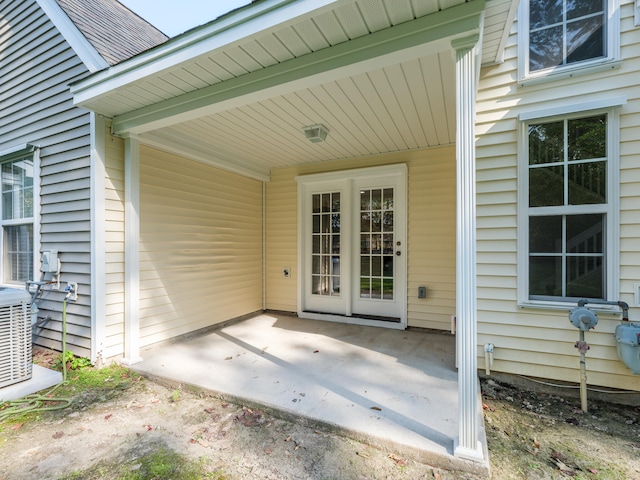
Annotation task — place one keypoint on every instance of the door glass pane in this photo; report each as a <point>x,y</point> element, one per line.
<point>326,202</point>
<point>387,246</point>
<point>365,287</point>
<point>365,200</point>
<point>388,199</point>
<point>376,222</point>
<point>376,263</point>
<point>376,266</point>
<point>365,265</point>
<point>376,199</point>
<point>365,222</point>
<point>376,288</point>
<point>387,289</point>
<point>387,221</point>
<point>325,244</point>
<point>387,266</point>
<point>365,244</point>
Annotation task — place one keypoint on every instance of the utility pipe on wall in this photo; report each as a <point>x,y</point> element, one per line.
<point>488,357</point>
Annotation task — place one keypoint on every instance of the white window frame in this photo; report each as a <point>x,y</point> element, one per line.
<point>611,210</point>
<point>7,156</point>
<point>610,61</point>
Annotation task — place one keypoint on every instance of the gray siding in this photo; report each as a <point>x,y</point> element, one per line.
<point>36,67</point>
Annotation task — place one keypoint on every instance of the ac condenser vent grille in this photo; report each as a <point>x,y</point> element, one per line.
<point>16,362</point>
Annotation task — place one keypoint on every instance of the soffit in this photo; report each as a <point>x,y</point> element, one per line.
<point>393,103</point>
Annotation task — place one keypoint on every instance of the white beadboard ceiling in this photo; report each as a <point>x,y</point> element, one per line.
<point>175,97</point>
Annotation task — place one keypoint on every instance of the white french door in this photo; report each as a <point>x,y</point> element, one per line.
<point>353,246</point>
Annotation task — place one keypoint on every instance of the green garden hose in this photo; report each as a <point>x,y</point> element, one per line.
<point>37,401</point>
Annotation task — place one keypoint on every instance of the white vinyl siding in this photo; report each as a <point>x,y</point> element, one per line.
<point>430,242</point>
<point>538,342</point>
<point>36,107</point>
<point>200,246</point>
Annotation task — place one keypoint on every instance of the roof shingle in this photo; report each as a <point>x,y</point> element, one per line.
<point>116,32</point>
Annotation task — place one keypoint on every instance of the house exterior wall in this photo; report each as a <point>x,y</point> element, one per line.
<point>431,232</point>
<point>200,246</point>
<point>537,342</point>
<point>36,67</point>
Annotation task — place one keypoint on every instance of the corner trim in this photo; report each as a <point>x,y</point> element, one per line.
<point>98,240</point>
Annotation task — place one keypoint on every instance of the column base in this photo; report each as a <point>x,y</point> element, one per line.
<point>474,455</point>
<point>128,361</point>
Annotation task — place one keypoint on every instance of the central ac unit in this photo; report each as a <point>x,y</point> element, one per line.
<point>16,363</point>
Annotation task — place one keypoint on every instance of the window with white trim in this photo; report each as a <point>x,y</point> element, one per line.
<point>567,208</point>
<point>560,35</point>
<point>17,220</point>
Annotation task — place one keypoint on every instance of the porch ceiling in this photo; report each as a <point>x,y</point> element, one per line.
<point>235,93</point>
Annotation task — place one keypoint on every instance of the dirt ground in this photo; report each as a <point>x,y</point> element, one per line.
<point>531,435</point>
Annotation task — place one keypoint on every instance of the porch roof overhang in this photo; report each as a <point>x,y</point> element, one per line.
<point>235,93</point>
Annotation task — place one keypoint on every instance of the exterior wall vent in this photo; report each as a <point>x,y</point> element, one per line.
<point>16,363</point>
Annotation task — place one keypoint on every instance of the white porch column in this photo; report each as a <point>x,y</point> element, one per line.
<point>467,444</point>
<point>98,242</point>
<point>131,251</point>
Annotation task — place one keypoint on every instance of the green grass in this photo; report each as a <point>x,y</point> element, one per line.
<point>83,387</point>
<point>161,463</point>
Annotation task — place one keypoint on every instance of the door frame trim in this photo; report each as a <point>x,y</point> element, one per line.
<point>303,181</point>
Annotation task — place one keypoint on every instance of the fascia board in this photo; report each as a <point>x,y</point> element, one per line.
<point>246,23</point>
<point>395,44</point>
<point>79,43</point>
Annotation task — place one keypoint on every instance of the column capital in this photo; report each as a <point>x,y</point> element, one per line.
<point>465,43</point>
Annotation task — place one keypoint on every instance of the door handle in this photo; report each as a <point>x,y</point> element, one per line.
<point>398,253</point>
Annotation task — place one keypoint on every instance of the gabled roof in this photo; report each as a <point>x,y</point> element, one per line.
<point>113,30</point>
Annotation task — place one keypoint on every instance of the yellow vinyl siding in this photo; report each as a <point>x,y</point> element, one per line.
<point>534,342</point>
<point>114,246</point>
<point>200,246</point>
<point>431,232</point>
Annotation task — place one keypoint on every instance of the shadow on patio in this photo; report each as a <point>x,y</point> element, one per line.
<point>392,389</point>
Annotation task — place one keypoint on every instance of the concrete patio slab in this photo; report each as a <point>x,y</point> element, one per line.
<point>392,389</point>
<point>41,378</point>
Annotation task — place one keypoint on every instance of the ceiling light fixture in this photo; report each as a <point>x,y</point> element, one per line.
<point>316,133</point>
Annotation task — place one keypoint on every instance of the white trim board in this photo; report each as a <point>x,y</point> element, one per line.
<point>79,43</point>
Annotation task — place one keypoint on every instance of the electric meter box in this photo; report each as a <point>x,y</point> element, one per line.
<point>627,337</point>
